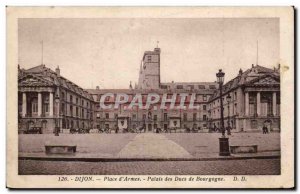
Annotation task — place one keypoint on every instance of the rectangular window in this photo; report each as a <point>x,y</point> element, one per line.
<point>98,115</point>
<point>253,124</point>
<point>179,86</point>
<point>191,87</point>
<point>204,117</point>
<point>184,116</point>
<point>34,107</point>
<point>204,107</point>
<point>212,87</point>
<point>201,86</point>
<point>134,116</point>
<point>116,115</point>
<point>107,115</point>
<point>62,108</point>
<point>235,107</point>
<point>164,87</point>
<point>194,116</point>
<point>46,107</point>
<point>149,58</point>
<point>251,109</point>
<point>204,98</point>
<point>155,117</point>
<point>165,116</point>
<point>71,111</point>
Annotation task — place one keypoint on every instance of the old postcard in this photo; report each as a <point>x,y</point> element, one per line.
<point>150,97</point>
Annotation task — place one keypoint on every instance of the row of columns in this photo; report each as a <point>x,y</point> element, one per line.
<point>24,104</point>
<point>258,108</point>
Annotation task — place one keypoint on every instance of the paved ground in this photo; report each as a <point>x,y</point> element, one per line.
<point>176,145</point>
<point>220,167</point>
<point>152,145</point>
<point>103,144</point>
<point>199,144</point>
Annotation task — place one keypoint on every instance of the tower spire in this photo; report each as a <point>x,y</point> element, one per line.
<point>157,42</point>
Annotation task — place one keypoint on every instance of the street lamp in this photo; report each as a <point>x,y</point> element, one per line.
<point>220,78</point>
<point>57,128</point>
<point>223,141</point>
<point>228,98</point>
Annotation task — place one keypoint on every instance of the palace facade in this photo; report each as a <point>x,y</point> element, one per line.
<point>254,100</point>
<point>47,99</point>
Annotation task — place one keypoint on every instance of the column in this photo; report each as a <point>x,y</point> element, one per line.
<point>274,103</point>
<point>24,105</point>
<point>246,104</point>
<point>258,103</point>
<point>39,104</point>
<point>50,104</point>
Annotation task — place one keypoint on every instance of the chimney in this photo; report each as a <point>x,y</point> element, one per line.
<point>97,87</point>
<point>240,72</point>
<point>57,70</point>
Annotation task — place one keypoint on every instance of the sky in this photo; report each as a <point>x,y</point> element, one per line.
<point>107,52</point>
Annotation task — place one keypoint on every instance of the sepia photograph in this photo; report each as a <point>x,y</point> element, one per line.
<point>140,98</point>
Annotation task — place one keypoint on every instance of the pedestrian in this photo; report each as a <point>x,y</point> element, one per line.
<point>228,129</point>
<point>215,127</point>
<point>265,129</point>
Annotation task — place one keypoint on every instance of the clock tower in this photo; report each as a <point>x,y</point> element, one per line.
<point>149,76</point>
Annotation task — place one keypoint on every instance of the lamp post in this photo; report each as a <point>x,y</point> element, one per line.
<point>228,98</point>
<point>57,128</point>
<point>223,141</point>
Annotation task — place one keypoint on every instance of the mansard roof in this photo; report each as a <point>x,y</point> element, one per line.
<point>147,91</point>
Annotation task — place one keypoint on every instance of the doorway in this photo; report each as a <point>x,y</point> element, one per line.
<point>149,127</point>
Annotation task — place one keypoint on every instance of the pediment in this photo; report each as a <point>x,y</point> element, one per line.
<point>265,80</point>
<point>31,80</point>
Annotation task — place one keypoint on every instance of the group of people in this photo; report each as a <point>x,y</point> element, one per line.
<point>228,128</point>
